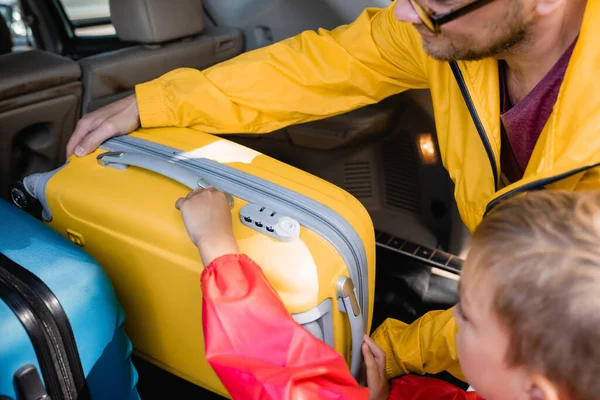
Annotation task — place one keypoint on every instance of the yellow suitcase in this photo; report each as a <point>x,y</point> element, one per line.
<point>314,241</point>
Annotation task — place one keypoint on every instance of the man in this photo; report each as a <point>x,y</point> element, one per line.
<point>518,111</point>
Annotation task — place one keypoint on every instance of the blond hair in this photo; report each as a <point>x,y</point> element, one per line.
<point>542,252</point>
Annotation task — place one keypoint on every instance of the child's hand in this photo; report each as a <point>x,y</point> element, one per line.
<point>207,218</point>
<point>377,381</point>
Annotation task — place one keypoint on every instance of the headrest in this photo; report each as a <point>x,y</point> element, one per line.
<point>156,21</point>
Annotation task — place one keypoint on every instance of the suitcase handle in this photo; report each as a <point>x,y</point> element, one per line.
<point>29,384</point>
<point>123,160</point>
<point>348,303</point>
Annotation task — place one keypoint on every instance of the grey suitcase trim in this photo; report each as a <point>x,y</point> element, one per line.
<point>318,321</point>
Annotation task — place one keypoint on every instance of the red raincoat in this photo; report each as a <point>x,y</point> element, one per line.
<point>259,352</point>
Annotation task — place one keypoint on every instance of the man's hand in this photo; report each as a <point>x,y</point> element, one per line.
<point>377,381</point>
<point>207,218</point>
<point>92,130</point>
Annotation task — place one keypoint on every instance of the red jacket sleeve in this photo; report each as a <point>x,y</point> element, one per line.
<point>412,387</point>
<point>257,349</point>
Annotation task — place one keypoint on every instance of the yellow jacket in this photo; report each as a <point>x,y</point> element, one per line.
<point>317,75</point>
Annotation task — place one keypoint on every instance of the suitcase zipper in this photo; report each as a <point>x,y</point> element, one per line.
<point>48,327</point>
<point>309,213</point>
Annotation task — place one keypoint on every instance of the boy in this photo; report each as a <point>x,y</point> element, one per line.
<point>534,261</point>
<point>528,318</point>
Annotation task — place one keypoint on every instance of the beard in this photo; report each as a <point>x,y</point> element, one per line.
<point>503,40</point>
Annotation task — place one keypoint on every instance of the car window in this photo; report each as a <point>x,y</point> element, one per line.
<point>10,11</point>
<point>5,12</point>
<point>86,9</point>
<point>89,17</point>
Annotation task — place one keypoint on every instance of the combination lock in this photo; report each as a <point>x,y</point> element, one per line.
<point>270,223</point>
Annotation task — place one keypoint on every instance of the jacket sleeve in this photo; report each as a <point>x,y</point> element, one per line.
<point>425,346</point>
<point>411,387</point>
<point>590,180</point>
<point>257,349</point>
<point>307,77</point>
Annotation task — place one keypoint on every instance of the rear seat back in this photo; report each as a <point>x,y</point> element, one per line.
<point>167,35</point>
<point>40,99</point>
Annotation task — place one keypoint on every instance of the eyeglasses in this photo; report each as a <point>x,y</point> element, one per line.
<point>433,21</point>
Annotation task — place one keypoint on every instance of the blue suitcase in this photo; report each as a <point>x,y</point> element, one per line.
<point>61,327</point>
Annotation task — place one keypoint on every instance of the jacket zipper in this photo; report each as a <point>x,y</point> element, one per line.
<point>221,173</point>
<point>475,117</point>
<point>536,185</point>
<point>532,186</point>
<point>48,327</point>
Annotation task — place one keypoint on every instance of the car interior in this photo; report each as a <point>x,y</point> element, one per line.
<point>67,58</point>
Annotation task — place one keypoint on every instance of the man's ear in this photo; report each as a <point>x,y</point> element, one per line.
<point>545,7</point>
<point>542,389</point>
